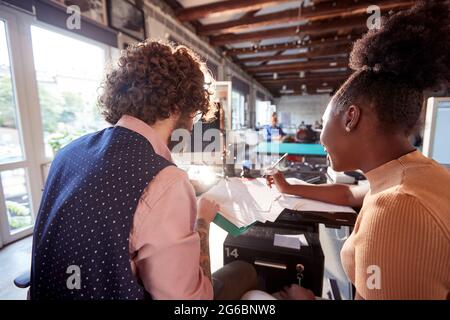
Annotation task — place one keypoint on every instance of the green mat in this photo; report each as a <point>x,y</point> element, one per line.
<point>229,227</point>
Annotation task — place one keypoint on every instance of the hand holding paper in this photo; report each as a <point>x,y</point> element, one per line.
<point>207,209</point>
<point>243,202</point>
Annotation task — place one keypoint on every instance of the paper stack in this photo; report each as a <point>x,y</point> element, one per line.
<point>244,202</point>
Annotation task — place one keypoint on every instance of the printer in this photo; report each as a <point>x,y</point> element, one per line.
<point>279,266</point>
<point>317,265</point>
<point>276,265</point>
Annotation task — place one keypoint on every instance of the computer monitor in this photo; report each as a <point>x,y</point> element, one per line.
<point>436,141</point>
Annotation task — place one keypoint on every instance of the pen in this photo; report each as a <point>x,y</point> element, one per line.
<point>278,161</point>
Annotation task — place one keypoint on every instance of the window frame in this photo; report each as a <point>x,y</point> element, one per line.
<point>28,111</point>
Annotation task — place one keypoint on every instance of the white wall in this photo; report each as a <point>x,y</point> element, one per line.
<point>301,108</point>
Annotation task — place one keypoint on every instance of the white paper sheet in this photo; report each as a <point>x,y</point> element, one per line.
<point>244,202</point>
<point>292,241</point>
<point>302,204</point>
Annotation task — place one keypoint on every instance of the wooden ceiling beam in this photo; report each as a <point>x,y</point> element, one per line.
<point>309,91</point>
<point>306,84</point>
<point>308,75</point>
<point>322,11</point>
<point>315,42</point>
<point>309,29</point>
<point>300,81</point>
<point>331,51</point>
<point>265,62</point>
<point>250,14</point>
<point>299,66</point>
<point>225,7</point>
<point>313,86</point>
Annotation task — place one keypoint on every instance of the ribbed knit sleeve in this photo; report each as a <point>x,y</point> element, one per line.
<point>402,251</point>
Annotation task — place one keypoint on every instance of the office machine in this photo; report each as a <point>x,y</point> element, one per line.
<point>279,265</point>
<point>325,233</point>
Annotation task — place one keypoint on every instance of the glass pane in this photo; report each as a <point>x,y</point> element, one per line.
<point>234,110</point>
<point>18,209</point>
<point>69,73</point>
<point>242,110</point>
<point>10,141</point>
<point>237,110</point>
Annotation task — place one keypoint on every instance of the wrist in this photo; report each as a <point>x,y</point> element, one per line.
<point>201,224</point>
<point>286,188</point>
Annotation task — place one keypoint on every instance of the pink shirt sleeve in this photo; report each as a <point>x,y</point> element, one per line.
<point>164,248</point>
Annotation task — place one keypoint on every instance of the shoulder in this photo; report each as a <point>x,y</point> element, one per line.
<point>395,212</point>
<point>428,186</point>
<point>169,198</point>
<point>167,182</point>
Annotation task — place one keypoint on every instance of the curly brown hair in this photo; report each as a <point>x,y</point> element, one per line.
<point>395,64</point>
<point>154,80</point>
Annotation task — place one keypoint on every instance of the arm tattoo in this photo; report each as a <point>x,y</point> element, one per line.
<point>203,230</point>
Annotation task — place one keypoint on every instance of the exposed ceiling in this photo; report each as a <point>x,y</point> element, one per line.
<point>287,49</point>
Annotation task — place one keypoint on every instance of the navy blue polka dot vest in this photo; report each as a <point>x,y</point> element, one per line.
<point>81,237</point>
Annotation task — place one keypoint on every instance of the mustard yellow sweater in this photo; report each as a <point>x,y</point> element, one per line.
<point>400,246</point>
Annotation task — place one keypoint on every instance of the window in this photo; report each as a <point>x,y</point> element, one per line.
<point>264,111</point>
<point>41,109</point>
<point>15,203</point>
<point>17,200</point>
<point>10,139</point>
<point>68,73</point>
<point>238,106</point>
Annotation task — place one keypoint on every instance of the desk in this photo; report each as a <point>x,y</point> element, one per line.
<point>301,149</point>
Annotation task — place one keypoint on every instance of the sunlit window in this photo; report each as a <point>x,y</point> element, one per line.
<point>10,140</point>
<point>17,200</point>
<point>69,73</point>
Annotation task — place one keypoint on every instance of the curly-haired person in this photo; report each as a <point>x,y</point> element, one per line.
<point>118,220</point>
<point>400,245</point>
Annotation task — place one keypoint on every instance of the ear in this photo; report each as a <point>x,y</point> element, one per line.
<point>352,116</point>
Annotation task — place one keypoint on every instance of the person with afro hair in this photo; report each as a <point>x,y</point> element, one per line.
<point>400,245</point>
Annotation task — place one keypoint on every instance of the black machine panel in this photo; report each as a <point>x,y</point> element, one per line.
<point>278,266</point>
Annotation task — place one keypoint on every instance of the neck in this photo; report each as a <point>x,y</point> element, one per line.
<point>383,149</point>
<point>163,129</point>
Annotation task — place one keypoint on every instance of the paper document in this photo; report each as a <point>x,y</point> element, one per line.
<point>243,202</point>
<point>301,204</point>
<point>292,241</point>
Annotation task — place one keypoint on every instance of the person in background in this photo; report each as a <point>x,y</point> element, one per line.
<point>400,245</point>
<point>317,125</point>
<point>116,211</point>
<point>273,132</point>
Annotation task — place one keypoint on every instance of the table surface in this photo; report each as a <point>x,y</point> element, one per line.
<point>311,149</point>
